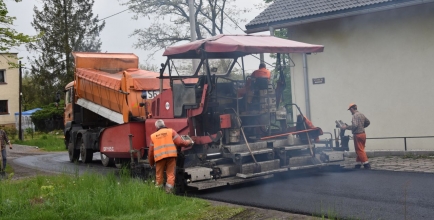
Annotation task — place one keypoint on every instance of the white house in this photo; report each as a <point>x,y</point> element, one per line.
<point>378,54</point>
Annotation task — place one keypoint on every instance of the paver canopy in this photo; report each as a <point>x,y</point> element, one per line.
<point>231,46</point>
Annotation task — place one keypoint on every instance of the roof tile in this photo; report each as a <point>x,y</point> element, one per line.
<point>290,9</point>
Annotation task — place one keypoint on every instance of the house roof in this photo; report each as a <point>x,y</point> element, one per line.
<point>284,13</point>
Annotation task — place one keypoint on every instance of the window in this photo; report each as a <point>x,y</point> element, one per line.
<point>4,107</point>
<point>2,76</point>
<point>67,97</point>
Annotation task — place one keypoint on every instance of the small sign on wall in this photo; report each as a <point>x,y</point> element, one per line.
<point>318,80</point>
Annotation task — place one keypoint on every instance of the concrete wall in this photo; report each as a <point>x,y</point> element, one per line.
<point>9,90</point>
<point>383,62</point>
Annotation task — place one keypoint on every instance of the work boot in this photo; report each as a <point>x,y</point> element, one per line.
<point>367,166</point>
<point>358,166</point>
<point>169,190</point>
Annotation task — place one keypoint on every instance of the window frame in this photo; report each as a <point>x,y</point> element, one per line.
<point>3,71</point>
<point>7,107</point>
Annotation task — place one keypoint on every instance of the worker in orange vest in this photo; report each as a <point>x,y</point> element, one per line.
<point>263,73</point>
<point>163,153</point>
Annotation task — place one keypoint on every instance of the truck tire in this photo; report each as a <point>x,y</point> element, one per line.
<point>106,161</point>
<point>73,153</point>
<point>86,155</point>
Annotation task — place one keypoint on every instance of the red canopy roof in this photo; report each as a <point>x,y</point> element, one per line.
<point>222,46</point>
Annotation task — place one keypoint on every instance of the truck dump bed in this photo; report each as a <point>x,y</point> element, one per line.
<point>111,85</point>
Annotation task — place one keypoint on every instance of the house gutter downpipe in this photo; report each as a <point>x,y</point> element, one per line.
<point>306,86</point>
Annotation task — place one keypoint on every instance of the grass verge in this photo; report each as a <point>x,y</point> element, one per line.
<point>94,196</point>
<point>45,141</point>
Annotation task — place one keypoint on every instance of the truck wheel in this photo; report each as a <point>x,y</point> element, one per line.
<point>73,153</point>
<point>86,155</point>
<point>106,161</point>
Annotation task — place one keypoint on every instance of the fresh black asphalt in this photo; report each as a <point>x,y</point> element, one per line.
<point>358,194</point>
<point>353,194</point>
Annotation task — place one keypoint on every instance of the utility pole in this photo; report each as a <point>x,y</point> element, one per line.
<point>66,39</point>
<point>20,131</point>
<point>192,28</point>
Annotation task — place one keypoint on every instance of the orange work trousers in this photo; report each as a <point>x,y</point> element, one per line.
<point>359,145</point>
<point>168,164</point>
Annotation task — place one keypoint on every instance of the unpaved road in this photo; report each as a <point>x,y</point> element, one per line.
<point>28,162</point>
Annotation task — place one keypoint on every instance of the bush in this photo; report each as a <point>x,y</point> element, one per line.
<point>30,131</point>
<point>10,131</point>
<point>47,113</point>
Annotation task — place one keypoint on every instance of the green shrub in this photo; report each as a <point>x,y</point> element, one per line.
<point>30,132</point>
<point>49,112</point>
<point>10,131</point>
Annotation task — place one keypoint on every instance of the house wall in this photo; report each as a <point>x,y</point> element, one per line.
<point>383,62</point>
<point>9,89</point>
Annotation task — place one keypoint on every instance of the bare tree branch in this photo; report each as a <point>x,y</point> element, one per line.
<point>210,17</point>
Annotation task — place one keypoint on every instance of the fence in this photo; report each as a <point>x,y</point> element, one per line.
<point>403,138</point>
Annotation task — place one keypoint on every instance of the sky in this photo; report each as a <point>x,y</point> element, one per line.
<point>115,36</point>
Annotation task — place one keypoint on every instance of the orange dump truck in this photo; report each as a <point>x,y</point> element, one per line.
<point>109,95</point>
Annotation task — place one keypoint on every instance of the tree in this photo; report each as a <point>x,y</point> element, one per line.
<point>28,92</point>
<point>286,63</point>
<point>10,38</point>
<point>65,26</point>
<point>210,17</point>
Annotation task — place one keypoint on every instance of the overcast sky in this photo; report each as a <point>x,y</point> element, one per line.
<point>115,35</point>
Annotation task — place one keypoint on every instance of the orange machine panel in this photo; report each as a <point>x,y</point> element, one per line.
<point>225,121</point>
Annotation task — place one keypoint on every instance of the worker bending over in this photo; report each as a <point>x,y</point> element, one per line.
<point>358,125</point>
<point>163,153</point>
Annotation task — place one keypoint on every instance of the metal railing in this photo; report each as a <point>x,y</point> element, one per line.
<point>404,138</point>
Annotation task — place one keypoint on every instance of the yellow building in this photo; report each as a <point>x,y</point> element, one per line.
<point>9,89</point>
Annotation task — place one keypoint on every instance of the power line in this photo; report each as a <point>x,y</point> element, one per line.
<point>230,18</point>
<point>113,15</point>
<point>129,8</point>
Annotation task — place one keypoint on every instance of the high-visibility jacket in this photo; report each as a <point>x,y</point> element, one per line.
<point>261,73</point>
<point>163,145</point>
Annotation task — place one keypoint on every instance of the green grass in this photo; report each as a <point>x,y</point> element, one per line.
<point>93,196</point>
<point>45,141</point>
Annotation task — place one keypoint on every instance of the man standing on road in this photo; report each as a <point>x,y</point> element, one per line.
<point>163,153</point>
<point>358,125</point>
<point>4,139</point>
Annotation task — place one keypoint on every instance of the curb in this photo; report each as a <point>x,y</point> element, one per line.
<point>19,145</point>
<point>385,153</point>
